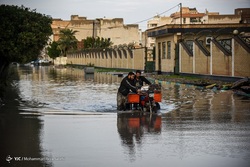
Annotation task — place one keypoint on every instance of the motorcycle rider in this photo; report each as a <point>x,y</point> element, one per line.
<point>126,85</point>
<point>139,80</point>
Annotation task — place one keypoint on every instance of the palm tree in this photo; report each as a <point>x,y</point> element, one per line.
<point>97,42</point>
<point>67,40</point>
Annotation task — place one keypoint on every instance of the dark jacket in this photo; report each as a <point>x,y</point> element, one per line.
<point>126,86</point>
<point>139,82</point>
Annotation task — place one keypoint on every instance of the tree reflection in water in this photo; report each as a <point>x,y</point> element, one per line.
<point>20,135</point>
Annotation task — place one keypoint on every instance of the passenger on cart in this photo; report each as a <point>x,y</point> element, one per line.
<point>140,80</point>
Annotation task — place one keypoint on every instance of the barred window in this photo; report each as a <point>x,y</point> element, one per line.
<point>169,50</point>
<point>190,45</point>
<point>164,50</point>
<point>226,43</point>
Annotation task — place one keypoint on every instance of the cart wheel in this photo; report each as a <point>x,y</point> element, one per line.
<point>156,107</point>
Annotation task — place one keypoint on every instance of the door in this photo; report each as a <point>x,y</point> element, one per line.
<point>176,67</point>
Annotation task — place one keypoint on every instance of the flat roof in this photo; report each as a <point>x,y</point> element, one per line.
<point>196,28</point>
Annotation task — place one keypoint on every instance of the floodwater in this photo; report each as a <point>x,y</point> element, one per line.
<point>62,117</point>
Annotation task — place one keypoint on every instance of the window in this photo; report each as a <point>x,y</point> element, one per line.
<point>193,20</point>
<point>226,43</point>
<point>190,45</point>
<point>164,50</point>
<point>184,20</point>
<point>169,50</point>
<point>153,25</point>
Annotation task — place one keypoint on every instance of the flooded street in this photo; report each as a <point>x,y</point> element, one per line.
<point>67,118</point>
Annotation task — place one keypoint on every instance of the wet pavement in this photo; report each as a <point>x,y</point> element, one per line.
<point>67,118</point>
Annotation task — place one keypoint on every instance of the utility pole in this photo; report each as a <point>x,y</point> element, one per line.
<point>177,51</point>
<point>93,33</point>
<point>181,18</point>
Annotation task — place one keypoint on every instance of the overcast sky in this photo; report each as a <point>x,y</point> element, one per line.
<point>132,11</point>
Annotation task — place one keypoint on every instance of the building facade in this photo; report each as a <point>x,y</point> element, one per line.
<point>113,29</point>
<point>196,43</point>
<point>191,16</point>
<point>201,43</point>
<point>207,49</point>
<point>119,34</point>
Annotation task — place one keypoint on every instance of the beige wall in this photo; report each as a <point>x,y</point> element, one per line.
<point>60,61</point>
<point>186,62</point>
<point>202,62</point>
<point>241,61</point>
<point>123,34</point>
<point>139,59</point>
<point>221,19</point>
<point>106,28</point>
<point>114,58</point>
<point>218,63</point>
<point>221,64</point>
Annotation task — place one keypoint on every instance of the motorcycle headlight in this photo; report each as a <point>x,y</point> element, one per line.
<point>151,95</point>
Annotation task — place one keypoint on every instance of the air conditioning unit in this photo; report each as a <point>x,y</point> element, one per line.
<point>208,40</point>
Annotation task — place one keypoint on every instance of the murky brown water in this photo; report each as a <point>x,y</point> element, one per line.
<point>69,119</point>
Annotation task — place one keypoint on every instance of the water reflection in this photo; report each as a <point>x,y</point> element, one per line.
<point>20,136</point>
<point>133,127</point>
<point>20,140</point>
<point>193,103</point>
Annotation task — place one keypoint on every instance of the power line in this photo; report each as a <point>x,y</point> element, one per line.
<point>158,14</point>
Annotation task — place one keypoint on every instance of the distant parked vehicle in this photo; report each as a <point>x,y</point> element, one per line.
<point>40,62</point>
<point>46,61</point>
<point>15,64</point>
